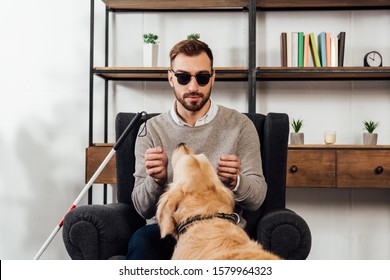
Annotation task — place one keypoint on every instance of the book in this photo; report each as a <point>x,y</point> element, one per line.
<point>341,48</point>
<point>322,48</point>
<point>294,49</point>
<point>314,50</point>
<point>328,50</point>
<point>283,49</point>
<point>306,50</point>
<point>300,48</point>
<point>288,49</point>
<point>333,52</point>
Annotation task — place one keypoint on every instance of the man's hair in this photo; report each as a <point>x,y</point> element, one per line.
<point>190,48</point>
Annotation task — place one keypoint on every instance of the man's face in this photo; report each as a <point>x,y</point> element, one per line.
<point>192,96</point>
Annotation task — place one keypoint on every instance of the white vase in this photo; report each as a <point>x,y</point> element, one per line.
<point>150,55</point>
<point>370,138</point>
<point>297,138</point>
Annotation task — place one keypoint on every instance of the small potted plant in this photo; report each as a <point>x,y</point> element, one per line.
<point>296,137</point>
<point>150,50</point>
<point>193,36</point>
<point>369,137</point>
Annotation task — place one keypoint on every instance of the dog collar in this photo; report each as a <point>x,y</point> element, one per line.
<point>182,227</point>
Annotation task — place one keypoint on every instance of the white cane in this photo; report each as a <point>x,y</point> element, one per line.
<point>128,129</point>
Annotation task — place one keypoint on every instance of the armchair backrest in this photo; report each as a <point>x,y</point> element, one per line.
<point>273,131</point>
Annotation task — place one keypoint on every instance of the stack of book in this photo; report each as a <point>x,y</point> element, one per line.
<point>326,51</point>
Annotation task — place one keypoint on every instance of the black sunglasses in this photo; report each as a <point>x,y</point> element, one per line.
<point>184,78</point>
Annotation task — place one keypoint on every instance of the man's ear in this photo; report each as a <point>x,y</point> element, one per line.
<point>170,77</point>
<point>213,78</point>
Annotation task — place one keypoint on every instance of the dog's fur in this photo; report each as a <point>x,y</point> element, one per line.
<point>197,190</point>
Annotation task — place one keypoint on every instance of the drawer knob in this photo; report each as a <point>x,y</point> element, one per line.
<point>294,169</point>
<point>379,170</point>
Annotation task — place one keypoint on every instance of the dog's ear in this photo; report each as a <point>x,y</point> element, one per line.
<point>167,206</point>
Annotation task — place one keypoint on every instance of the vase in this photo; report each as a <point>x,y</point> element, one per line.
<point>370,138</point>
<point>297,138</point>
<point>150,55</point>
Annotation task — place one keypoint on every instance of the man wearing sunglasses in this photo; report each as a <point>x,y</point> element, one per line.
<point>227,137</point>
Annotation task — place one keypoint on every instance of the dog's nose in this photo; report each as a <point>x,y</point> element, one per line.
<point>181,145</point>
<point>184,148</point>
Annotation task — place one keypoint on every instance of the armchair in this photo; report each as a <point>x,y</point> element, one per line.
<point>103,231</point>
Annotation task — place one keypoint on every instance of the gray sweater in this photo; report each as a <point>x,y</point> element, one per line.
<point>229,133</point>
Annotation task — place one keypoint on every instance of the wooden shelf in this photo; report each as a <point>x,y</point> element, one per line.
<point>240,4</point>
<point>241,73</point>
<point>174,4</point>
<point>321,4</point>
<point>338,147</point>
<point>161,73</point>
<point>323,73</point>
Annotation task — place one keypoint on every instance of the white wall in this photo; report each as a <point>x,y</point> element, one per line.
<point>44,58</point>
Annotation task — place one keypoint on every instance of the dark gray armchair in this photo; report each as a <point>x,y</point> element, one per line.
<point>103,231</point>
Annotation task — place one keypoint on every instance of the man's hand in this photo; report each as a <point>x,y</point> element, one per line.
<point>156,162</point>
<point>229,168</point>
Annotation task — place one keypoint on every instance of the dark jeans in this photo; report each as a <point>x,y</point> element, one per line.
<point>146,244</point>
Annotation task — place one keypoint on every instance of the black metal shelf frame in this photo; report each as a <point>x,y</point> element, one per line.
<point>251,10</point>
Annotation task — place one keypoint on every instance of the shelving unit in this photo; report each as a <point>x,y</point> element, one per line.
<point>242,74</point>
<point>331,166</point>
<point>252,74</point>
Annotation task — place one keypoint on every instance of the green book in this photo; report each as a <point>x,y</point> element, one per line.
<point>300,48</point>
<point>314,50</point>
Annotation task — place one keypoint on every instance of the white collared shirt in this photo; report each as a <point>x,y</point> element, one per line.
<point>208,117</point>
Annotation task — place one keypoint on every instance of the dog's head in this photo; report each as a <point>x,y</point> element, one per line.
<point>196,190</point>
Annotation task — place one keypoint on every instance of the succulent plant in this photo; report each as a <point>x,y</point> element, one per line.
<point>150,38</point>
<point>370,126</point>
<point>297,125</point>
<point>193,36</point>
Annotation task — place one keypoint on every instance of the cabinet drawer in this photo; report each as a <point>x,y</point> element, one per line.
<point>311,168</point>
<point>363,169</point>
<point>94,158</point>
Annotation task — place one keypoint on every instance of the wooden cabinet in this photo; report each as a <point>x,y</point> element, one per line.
<point>363,168</point>
<point>308,168</point>
<point>94,157</point>
<point>338,166</point>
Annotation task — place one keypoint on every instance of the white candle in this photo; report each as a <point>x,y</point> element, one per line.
<point>330,137</point>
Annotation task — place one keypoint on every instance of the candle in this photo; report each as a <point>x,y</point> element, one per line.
<point>330,137</point>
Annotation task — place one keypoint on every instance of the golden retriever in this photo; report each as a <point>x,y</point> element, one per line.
<point>197,209</point>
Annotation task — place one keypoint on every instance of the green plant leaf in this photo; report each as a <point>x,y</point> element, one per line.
<point>370,126</point>
<point>150,38</point>
<point>193,36</point>
<point>297,125</point>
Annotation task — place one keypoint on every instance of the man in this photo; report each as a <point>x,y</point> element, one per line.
<point>227,137</point>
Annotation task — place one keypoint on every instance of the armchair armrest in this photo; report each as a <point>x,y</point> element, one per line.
<point>284,233</point>
<point>99,231</point>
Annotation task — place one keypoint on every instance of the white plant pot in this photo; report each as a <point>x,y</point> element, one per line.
<point>370,138</point>
<point>297,138</point>
<point>150,55</point>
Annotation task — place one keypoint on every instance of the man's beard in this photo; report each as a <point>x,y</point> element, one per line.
<point>193,106</point>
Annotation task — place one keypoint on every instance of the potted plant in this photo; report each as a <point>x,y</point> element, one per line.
<point>296,137</point>
<point>193,36</point>
<point>369,137</point>
<point>150,50</point>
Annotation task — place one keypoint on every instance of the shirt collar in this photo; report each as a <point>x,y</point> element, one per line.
<point>208,117</point>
